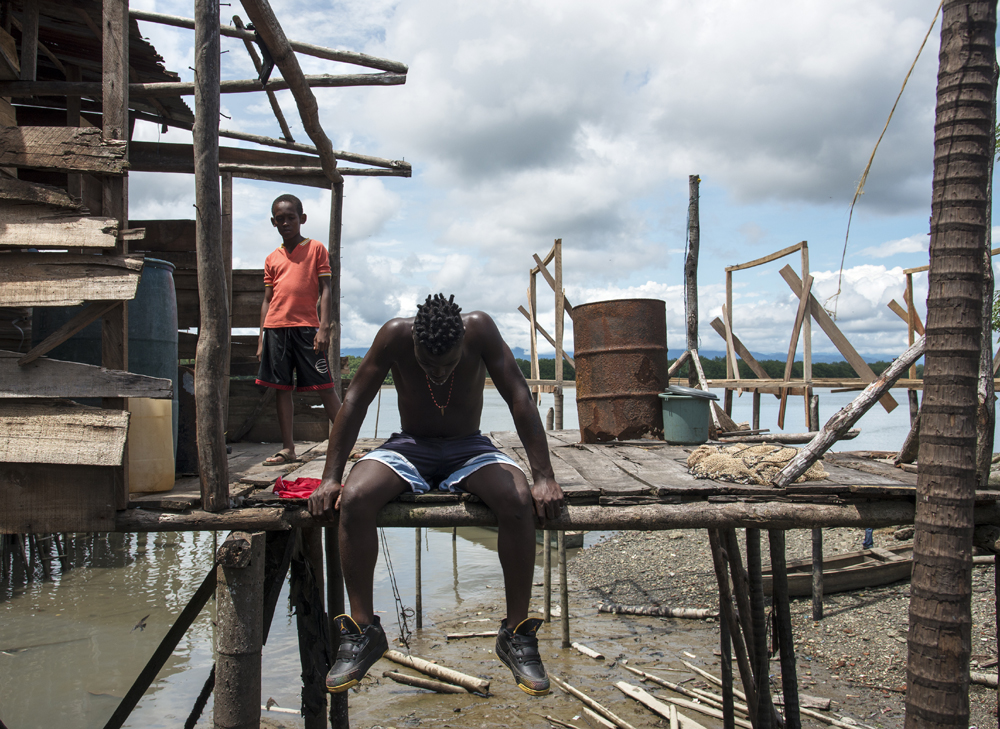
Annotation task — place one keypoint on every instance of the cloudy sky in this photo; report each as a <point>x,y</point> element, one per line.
<point>527,121</point>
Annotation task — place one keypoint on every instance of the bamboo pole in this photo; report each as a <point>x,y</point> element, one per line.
<point>657,610</point>
<point>239,631</point>
<point>469,683</point>
<point>807,367</point>
<point>213,332</point>
<point>563,589</point>
<point>533,311</point>
<point>560,299</point>
<point>424,683</point>
<point>266,24</point>
<point>786,641</point>
<point>589,702</point>
<point>226,225</point>
<point>691,273</point>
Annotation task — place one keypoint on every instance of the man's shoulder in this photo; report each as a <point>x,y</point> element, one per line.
<point>398,328</point>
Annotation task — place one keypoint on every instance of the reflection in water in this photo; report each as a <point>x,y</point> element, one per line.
<point>70,648</point>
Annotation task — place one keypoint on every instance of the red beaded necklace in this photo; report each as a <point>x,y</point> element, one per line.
<point>451,379</point>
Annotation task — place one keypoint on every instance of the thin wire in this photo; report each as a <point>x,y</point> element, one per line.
<point>378,409</point>
<point>402,612</point>
<point>864,175</point>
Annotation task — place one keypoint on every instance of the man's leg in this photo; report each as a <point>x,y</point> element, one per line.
<point>283,400</point>
<point>331,402</point>
<point>370,486</point>
<point>505,490</point>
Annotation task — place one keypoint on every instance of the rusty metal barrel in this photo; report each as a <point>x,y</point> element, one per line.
<point>620,348</point>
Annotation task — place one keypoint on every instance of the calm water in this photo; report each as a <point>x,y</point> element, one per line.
<point>69,648</point>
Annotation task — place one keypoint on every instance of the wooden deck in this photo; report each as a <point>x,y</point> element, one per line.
<point>619,485</point>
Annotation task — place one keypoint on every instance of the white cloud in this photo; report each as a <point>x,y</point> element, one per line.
<point>911,244</point>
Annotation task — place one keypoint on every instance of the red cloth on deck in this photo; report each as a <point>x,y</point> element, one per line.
<point>295,488</point>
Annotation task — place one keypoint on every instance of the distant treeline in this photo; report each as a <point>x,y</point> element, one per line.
<point>715,369</point>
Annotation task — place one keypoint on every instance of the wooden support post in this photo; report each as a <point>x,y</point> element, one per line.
<point>114,199</point>
<point>563,589</point>
<point>29,40</point>
<point>726,669</point>
<point>213,332</point>
<point>758,617</point>
<point>339,716</point>
<point>547,575</point>
<point>691,273</point>
<point>306,595</point>
<point>226,223</point>
<point>74,184</point>
<point>914,399</point>
<point>786,642</point>
<point>817,573</point>
<point>533,311</point>
<point>813,411</point>
<point>239,630</point>
<point>807,367</point>
<point>336,230</point>
<point>741,592</point>
<point>419,599</point>
<point>560,300</point>
<point>755,418</point>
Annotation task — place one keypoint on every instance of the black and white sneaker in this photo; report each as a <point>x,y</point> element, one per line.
<point>359,649</point>
<point>518,649</point>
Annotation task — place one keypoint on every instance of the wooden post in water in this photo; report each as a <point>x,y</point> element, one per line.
<point>758,618</point>
<point>755,418</point>
<point>213,332</point>
<point>563,589</point>
<point>114,195</point>
<point>547,575</point>
<point>726,670</point>
<point>419,598</point>
<point>817,572</point>
<point>335,606</point>
<point>691,274</point>
<point>226,224</point>
<point>813,412</point>
<point>786,642</point>
<point>239,630</point>
<point>306,595</point>
<point>560,308</point>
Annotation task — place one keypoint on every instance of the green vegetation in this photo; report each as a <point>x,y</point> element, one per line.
<point>546,369</point>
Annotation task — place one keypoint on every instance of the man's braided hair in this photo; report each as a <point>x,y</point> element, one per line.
<point>438,324</point>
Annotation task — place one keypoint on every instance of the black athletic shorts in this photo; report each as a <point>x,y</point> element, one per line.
<point>289,349</point>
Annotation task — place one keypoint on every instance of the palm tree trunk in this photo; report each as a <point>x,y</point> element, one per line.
<point>940,605</point>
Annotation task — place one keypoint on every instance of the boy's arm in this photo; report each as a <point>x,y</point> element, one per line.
<point>321,342</point>
<point>268,293</point>
<point>509,381</point>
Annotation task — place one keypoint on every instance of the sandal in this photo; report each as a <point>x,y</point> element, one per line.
<point>281,458</point>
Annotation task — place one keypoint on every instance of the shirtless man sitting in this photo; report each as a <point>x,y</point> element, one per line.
<point>439,362</point>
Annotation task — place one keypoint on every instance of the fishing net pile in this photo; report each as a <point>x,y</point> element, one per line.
<point>748,464</point>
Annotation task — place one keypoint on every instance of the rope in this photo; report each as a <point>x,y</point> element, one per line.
<point>864,175</point>
<point>402,612</point>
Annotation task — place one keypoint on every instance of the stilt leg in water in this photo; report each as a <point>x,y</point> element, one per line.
<point>782,609</point>
<point>817,572</point>
<point>563,590</point>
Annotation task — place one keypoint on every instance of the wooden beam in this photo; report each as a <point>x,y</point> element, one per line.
<point>271,32</point>
<point>899,311</point>
<point>800,315</point>
<point>653,517</point>
<point>55,378</point>
<point>43,226</point>
<point>741,350</point>
<point>213,332</point>
<point>364,159</point>
<point>837,337</point>
<point>20,191</point>
<point>548,337</point>
<point>66,149</point>
<point>167,236</point>
<point>358,59</point>
<point>83,319</point>
<point>61,432</point>
<point>271,98</point>
<point>27,89</point>
<point>552,283</point>
<point>767,259</point>
<point>29,41</point>
<point>67,279</point>
<point>48,498</point>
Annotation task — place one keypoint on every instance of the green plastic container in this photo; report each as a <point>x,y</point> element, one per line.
<point>685,418</point>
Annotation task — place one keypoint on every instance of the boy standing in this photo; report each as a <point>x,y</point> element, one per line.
<point>292,336</point>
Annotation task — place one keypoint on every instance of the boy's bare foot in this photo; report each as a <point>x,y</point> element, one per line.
<point>285,455</point>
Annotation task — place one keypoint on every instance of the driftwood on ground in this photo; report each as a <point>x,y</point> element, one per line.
<point>469,683</point>
<point>657,611</point>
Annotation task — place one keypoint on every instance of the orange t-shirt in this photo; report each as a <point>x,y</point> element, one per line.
<point>295,275</point>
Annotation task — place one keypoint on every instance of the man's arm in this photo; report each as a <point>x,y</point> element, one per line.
<point>268,293</point>
<point>344,433</point>
<point>514,390</point>
<point>321,342</point>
